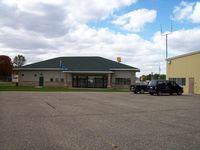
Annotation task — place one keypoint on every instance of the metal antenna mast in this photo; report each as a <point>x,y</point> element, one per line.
<point>166,37</point>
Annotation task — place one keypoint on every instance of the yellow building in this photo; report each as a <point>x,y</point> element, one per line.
<point>185,70</point>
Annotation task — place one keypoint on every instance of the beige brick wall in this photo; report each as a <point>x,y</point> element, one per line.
<point>123,74</point>
<point>186,67</point>
<point>31,78</point>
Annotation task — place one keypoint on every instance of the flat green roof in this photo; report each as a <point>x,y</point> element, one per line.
<point>79,64</point>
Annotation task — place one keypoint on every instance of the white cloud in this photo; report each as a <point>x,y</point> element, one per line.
<point>185,40</point>
<point>23,39</point>
<point>76,10</point>
<point>59,30</point>
<point>179,42</point>
<point>196,13</point>
<point>134,21</point>
<point>182,11</point>
<point>187,11</point>
<point>86,41</point>
<point>55,18</point>
<point>94,9</point>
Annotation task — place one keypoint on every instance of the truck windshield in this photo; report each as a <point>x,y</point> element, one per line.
<point>152,83</point>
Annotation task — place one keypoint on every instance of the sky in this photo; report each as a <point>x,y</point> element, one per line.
<point>130,29</point>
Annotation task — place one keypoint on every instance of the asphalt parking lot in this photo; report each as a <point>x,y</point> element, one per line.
<point>98,121</point>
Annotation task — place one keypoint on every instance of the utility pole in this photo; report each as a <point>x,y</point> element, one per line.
<point>151,75</point>
<point>166,38</point>
<point>159,70</point>
<point>166,35</point>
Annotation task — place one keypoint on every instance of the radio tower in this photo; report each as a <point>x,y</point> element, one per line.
<point>166,38</point>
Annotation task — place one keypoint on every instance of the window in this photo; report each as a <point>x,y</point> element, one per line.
<point>180,81</point>
<point>35,75</point>
<point>173,83</point>
<point>152,82</point>
<point>51,80</point>
<point>98,81</point>
<point>22,75</point>
<point>122,81</point>
<point>162,83</point>
<point>61,80</point>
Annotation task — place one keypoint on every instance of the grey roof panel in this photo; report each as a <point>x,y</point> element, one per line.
<point>80,64</point>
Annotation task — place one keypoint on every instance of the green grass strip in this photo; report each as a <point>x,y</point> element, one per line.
<point>12,87</point>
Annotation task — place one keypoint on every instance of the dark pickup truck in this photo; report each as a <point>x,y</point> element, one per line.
<point>141,88</point>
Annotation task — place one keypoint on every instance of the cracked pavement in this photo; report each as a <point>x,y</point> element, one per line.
<point>98,121</point>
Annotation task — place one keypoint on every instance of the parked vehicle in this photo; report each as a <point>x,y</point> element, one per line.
<point>164,86</point>
<point>141,88</point>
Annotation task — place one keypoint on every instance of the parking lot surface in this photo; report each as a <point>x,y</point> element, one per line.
<point>98,121</point>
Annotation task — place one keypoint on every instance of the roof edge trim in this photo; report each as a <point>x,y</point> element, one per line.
<point>125,69</point>
<point>88,71</point>
<point>183,55</point>
<point>39,69</point>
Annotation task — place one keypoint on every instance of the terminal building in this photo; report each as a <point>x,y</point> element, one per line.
<point>185,70</point>
<point>81,72</point>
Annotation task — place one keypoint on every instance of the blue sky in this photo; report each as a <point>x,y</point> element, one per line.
<point>130,29</point>
<point>164,10</point>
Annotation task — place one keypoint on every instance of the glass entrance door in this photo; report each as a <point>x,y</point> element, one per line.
<point>89,81</point>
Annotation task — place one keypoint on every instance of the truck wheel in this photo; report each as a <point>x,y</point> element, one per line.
<point>150,93</point>
<point>179,93</point>
<point>158,93</point>
<point>141,91</point>
<point>131,89</point>
<point>135,92</point>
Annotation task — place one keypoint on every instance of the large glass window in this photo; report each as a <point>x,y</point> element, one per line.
<point>180,81</point>
<point>122,81</point>
<point>89,81</point>
<point>82,81</point>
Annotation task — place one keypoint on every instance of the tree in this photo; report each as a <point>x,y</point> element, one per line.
<point>153,76</point>
<point>19,60</point>
<point>5,68</point>
<point>163,76</point>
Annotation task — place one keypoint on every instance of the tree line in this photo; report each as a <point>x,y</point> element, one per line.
<point>152,77</point>
<point>7,65</point>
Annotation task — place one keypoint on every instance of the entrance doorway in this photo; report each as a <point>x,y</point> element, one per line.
<point>89,81</point>
<point>191,85</point>
<point>41,81</point>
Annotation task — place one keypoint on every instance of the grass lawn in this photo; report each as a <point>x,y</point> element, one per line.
<point>6,86</point>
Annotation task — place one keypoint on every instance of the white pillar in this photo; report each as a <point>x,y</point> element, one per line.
<point>66,78</point>
<point>109,81</point>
